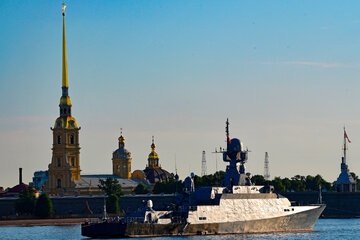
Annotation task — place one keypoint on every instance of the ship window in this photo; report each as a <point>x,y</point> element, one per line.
<point>59,183</point>
<point>72,139</point>
<point>59,139</point>
<point>202,218</point>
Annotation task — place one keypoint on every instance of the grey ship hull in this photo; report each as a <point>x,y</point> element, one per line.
<point>303,221</point>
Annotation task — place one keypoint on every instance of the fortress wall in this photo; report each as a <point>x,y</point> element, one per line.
<point>77,205</point>
<point>338,205</point>
<point>7,207</point>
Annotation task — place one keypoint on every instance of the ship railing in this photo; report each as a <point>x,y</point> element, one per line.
<point>135,219</point>
<point>116,219</point>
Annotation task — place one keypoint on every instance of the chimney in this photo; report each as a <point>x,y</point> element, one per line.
<point>20,176</point>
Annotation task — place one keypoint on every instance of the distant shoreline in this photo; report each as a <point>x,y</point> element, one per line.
<point>42,222</point>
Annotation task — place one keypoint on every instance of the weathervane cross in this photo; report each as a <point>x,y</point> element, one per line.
<point>63,7</point>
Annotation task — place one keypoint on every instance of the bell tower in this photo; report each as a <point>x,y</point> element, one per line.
<point>64,168</point>
<point>121,160</point>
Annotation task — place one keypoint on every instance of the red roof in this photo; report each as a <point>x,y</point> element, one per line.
<point>18,188</point>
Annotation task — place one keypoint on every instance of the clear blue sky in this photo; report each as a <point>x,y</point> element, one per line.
<point>286,73</point>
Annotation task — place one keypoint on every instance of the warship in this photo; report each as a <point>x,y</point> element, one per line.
<point>236,207</point>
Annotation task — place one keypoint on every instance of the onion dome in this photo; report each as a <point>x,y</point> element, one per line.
<point>121,152</point>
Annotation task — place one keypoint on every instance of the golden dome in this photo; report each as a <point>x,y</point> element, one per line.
<point>153,154</point>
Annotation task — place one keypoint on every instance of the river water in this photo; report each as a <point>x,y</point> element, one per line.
<point>324,229</point>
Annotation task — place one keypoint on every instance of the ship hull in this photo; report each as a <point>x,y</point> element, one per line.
<point>303,221</point>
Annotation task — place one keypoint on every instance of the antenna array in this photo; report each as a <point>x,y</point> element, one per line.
<point>266,167</point>
<point>203,164</point>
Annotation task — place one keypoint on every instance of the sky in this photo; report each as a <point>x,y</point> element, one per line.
<point>285,73</point>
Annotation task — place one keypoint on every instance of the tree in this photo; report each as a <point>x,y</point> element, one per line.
<point>258,180</point>
<point>214,180</point>
<point>297,185</point>
<point>110,186</point>
<point>287,184</point>
<point>141,189</point>
<point>112,203</point>
<point>168,187</point>
<point>278,185</point>
<point>26,202</point>
<point>44,207</point>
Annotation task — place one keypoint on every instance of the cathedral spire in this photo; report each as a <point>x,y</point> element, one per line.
<point>65,102</point>
<point>64,61</point>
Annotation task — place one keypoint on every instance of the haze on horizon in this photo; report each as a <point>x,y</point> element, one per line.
<point>284,73</point>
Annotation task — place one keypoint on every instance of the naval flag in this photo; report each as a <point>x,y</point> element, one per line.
<point>346,136</point>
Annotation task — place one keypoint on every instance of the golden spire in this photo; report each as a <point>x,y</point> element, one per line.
<point>64,62</point>
<point>153,144</point>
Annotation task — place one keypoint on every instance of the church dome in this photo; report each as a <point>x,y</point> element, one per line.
<point>154,175</point>
<point>153,154</point>
<point>154,172</point>
<point>121,152</point>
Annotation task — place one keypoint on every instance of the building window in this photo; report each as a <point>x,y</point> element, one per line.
<point>59,162</point>
<point>59,183</point>
<point>72,139</point>
<point>73,162</point>
<point>59,139</point>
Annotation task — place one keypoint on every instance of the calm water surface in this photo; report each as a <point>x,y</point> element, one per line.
<point>324,229</point>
